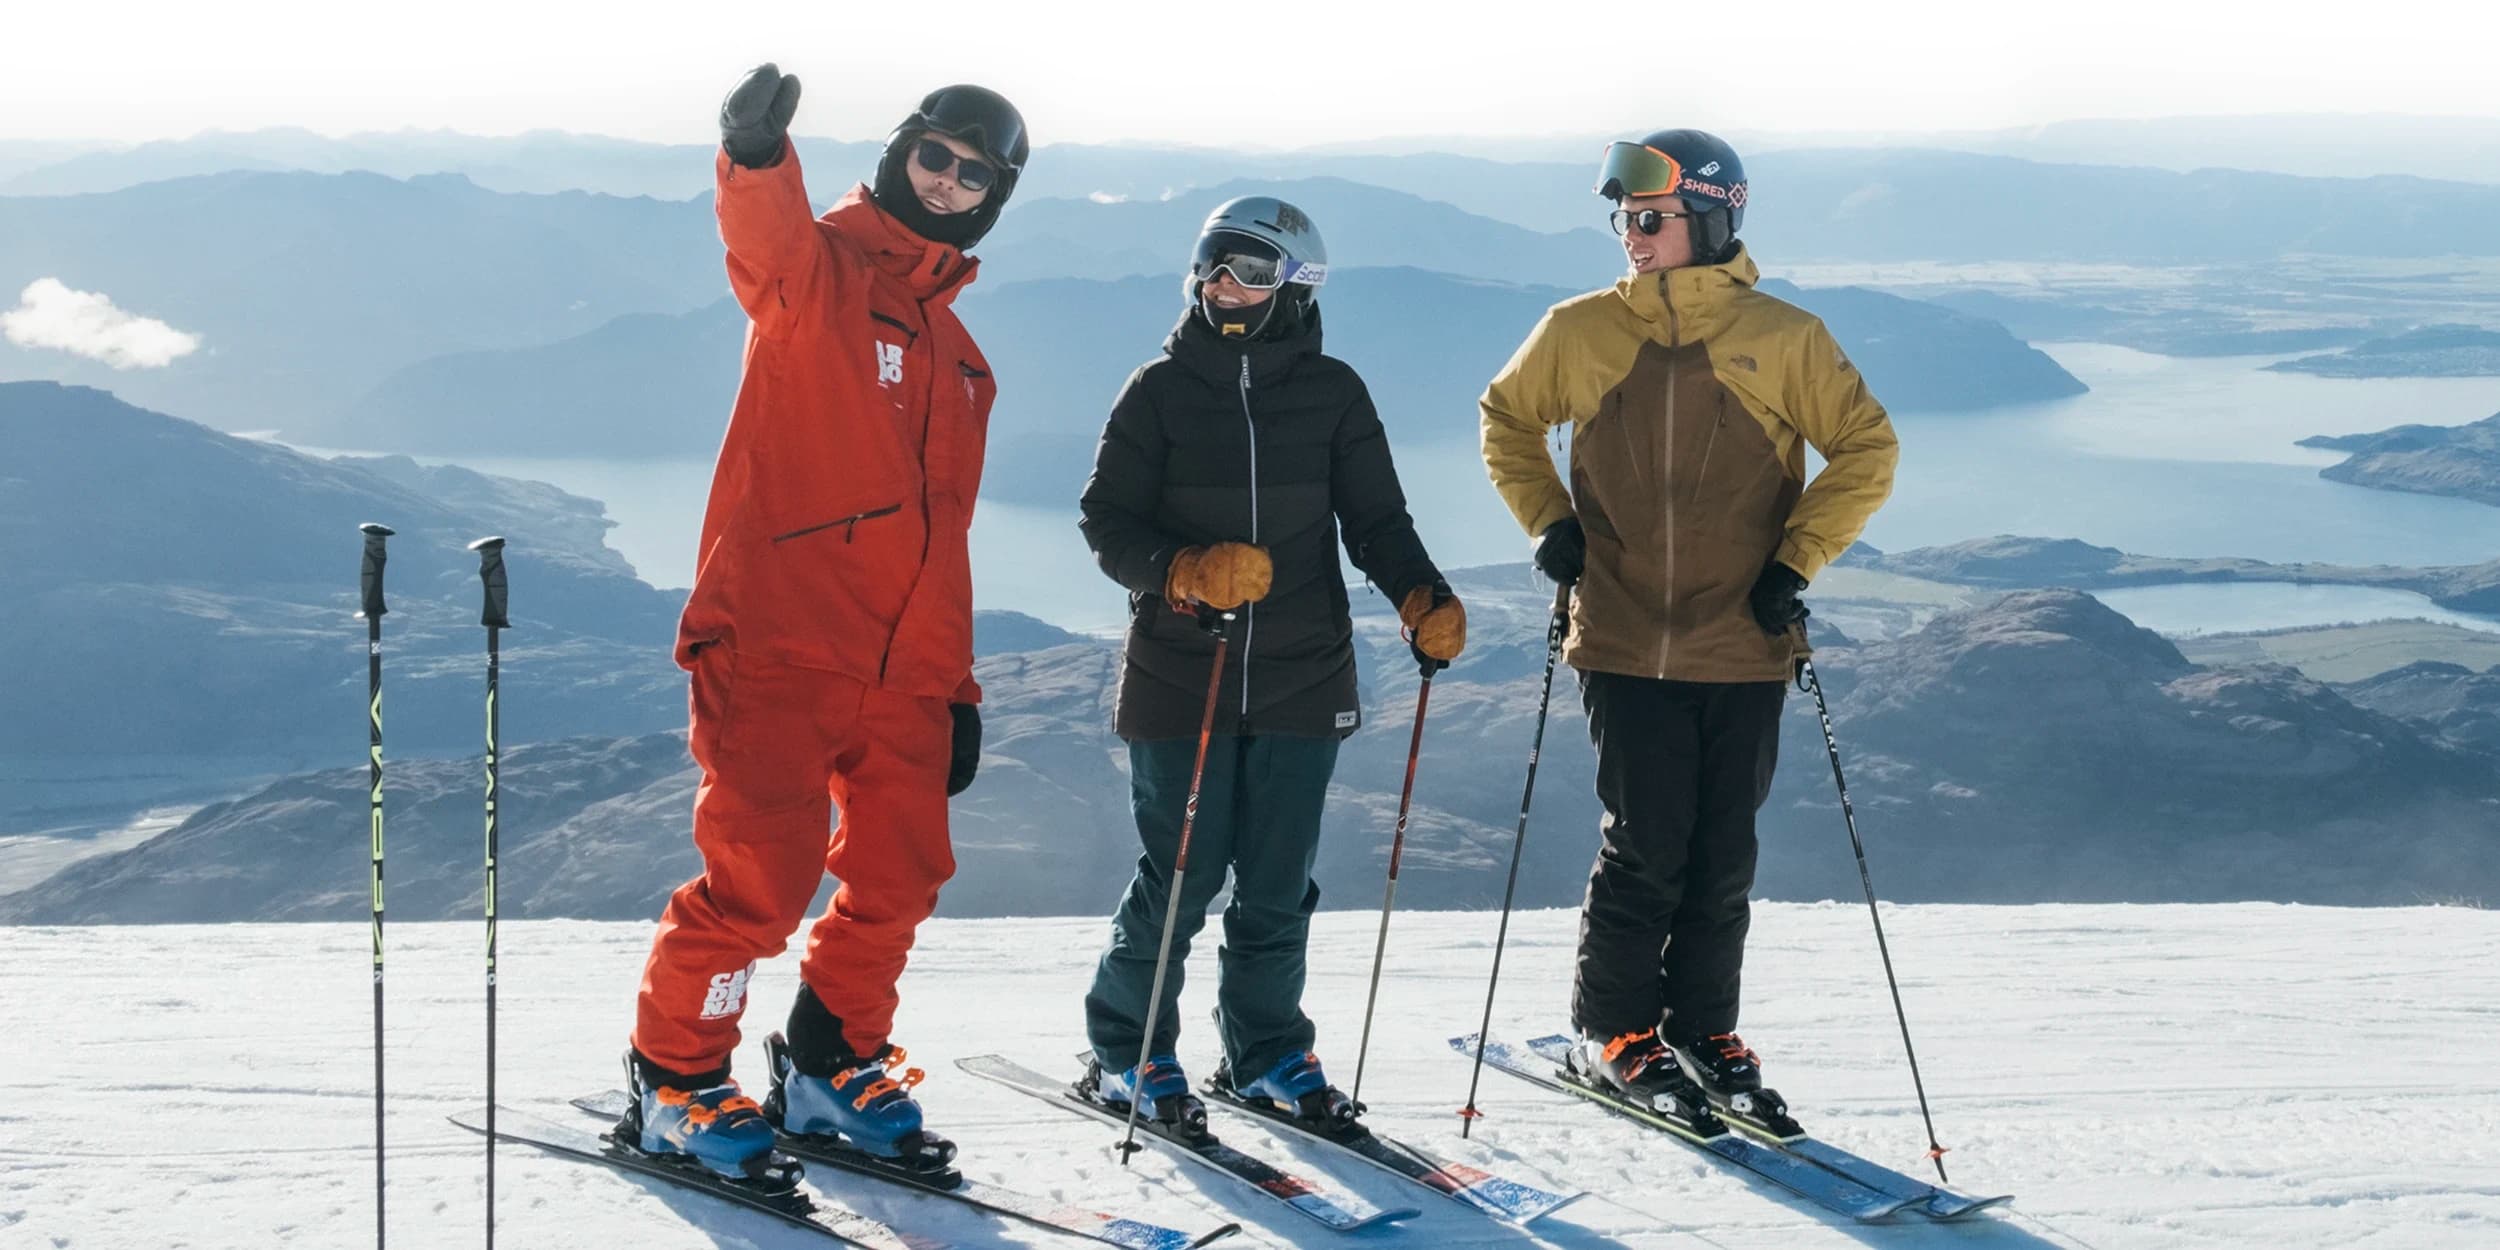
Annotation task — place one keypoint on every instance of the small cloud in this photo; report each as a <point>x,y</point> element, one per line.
<point>1107,197</point>
<point>85,323</point>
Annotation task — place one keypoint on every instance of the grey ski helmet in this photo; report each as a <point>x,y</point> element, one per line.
<point>1266,244</point>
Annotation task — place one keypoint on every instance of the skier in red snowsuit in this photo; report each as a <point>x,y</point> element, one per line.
<point>829,633</point>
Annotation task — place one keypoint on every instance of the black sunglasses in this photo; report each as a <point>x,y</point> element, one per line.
<point>970,174</point>
<point>1647,221</point>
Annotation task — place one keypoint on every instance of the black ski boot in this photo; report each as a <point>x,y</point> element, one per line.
<point>1730,1074</point>
<point>1639,1069</point>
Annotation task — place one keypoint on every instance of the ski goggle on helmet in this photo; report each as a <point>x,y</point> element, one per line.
<point>1253,262</point>
<point>1634,169</point>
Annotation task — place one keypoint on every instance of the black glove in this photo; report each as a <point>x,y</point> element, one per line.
<point>1774,598</point>
<point>967,760</point>
<point>1563,552</point>
<point>755,119</point>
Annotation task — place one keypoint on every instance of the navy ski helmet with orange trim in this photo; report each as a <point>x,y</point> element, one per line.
<point>1694,166</point>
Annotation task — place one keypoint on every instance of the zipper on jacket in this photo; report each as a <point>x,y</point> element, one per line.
<point>1249,612</point>
<point>849,523</point>
<point>1666,487</point>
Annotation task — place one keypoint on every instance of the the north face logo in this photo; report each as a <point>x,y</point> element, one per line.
<point>728,994</point>
<point>889,363</point>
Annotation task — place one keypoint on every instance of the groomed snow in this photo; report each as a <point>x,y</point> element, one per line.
<point>2248,1075</point>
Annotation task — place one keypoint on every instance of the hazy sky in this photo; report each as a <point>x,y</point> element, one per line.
<point>1277,73</point>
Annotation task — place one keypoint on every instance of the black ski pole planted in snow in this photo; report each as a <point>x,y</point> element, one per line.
<point>371,584</point>
<point>1172,903</point>
<point>493,617</point>
<point>1555,627</point>
<point>1849,817</point>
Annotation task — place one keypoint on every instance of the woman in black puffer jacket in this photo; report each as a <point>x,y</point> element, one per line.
<point>1225,473</point>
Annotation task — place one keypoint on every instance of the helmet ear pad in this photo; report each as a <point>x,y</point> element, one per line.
<point>1712,233</point>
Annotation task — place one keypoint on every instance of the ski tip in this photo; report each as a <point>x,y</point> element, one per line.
<point>610,1103</point>
<point>1217,1235</point>
<point>1944,1210</point>
<point>1543,1209</point>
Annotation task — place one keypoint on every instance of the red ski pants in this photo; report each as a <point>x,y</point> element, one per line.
<point>780,748</point>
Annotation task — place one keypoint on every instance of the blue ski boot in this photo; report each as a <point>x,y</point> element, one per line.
<point>1297,1087</point>
<point>1163,1088</point>
<point>858,1108</point>
<point>715,1128</point>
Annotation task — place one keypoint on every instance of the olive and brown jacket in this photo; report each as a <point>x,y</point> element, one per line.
<point>1692,398</point>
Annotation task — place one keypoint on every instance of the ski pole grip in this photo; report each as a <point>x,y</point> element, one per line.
<point>375,535</point>
<point>490,571</point>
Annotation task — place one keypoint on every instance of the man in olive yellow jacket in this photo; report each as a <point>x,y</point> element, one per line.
<point>1688,529</point>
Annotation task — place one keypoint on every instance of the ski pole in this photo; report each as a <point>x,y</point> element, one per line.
<point>1848,816</point>
<point>370,580</point>
<point>1172,903</point>
<point>490,573</point>
<point>1555,627</point>
<point>1397,845</point>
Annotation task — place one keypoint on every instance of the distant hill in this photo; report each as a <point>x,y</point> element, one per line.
<point>2461,461</point>
<point>308,289</point>
<point>169,590</point>
<point>2425,352</point>
<point>652,386</point>
<point>1896,204</point>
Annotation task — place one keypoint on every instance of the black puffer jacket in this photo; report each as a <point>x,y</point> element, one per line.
<point>1186,437</point>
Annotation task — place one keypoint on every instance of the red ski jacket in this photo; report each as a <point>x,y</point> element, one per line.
<point>836,534</point>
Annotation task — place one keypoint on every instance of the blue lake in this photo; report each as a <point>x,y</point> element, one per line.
<point>2166,456</point>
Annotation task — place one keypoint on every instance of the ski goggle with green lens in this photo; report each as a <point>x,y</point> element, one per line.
<point>1631,169</point>
<point>1252,262</point>
<point>970,174</point>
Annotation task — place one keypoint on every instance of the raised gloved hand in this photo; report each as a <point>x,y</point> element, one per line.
<point>967,750</point>
<point>755,118</point>
<point>1223,576</point>
<point>1562,552</point>
<point>1438,625</point>
<point>1774,598</point>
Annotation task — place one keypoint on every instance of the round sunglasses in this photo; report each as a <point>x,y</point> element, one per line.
<point>1647,221</point>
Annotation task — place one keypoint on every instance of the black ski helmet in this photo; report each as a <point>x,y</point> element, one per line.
<point>1694,166</point>
<point>974,115</point>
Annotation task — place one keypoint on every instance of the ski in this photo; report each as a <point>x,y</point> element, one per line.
<point>1510,1201</point>
<point>1340,1211</point>
<point>1929,1200</point>
<point>1829,1190</point>
<point>790,1206</point>
<point>1058,1217</point>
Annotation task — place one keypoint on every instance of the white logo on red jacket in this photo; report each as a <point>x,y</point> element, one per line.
<point>889,363</point>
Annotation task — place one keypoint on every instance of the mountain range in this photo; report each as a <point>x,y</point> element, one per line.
<point>2036,748</point>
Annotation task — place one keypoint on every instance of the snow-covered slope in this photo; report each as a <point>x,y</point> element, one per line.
<point>2249,1075</point>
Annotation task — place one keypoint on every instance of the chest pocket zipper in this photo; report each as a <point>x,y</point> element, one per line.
<point>849,523</point>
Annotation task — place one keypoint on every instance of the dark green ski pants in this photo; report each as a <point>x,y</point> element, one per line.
<point>1258,817</point>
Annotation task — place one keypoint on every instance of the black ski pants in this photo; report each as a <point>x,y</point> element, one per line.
<point>1681,769</point>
